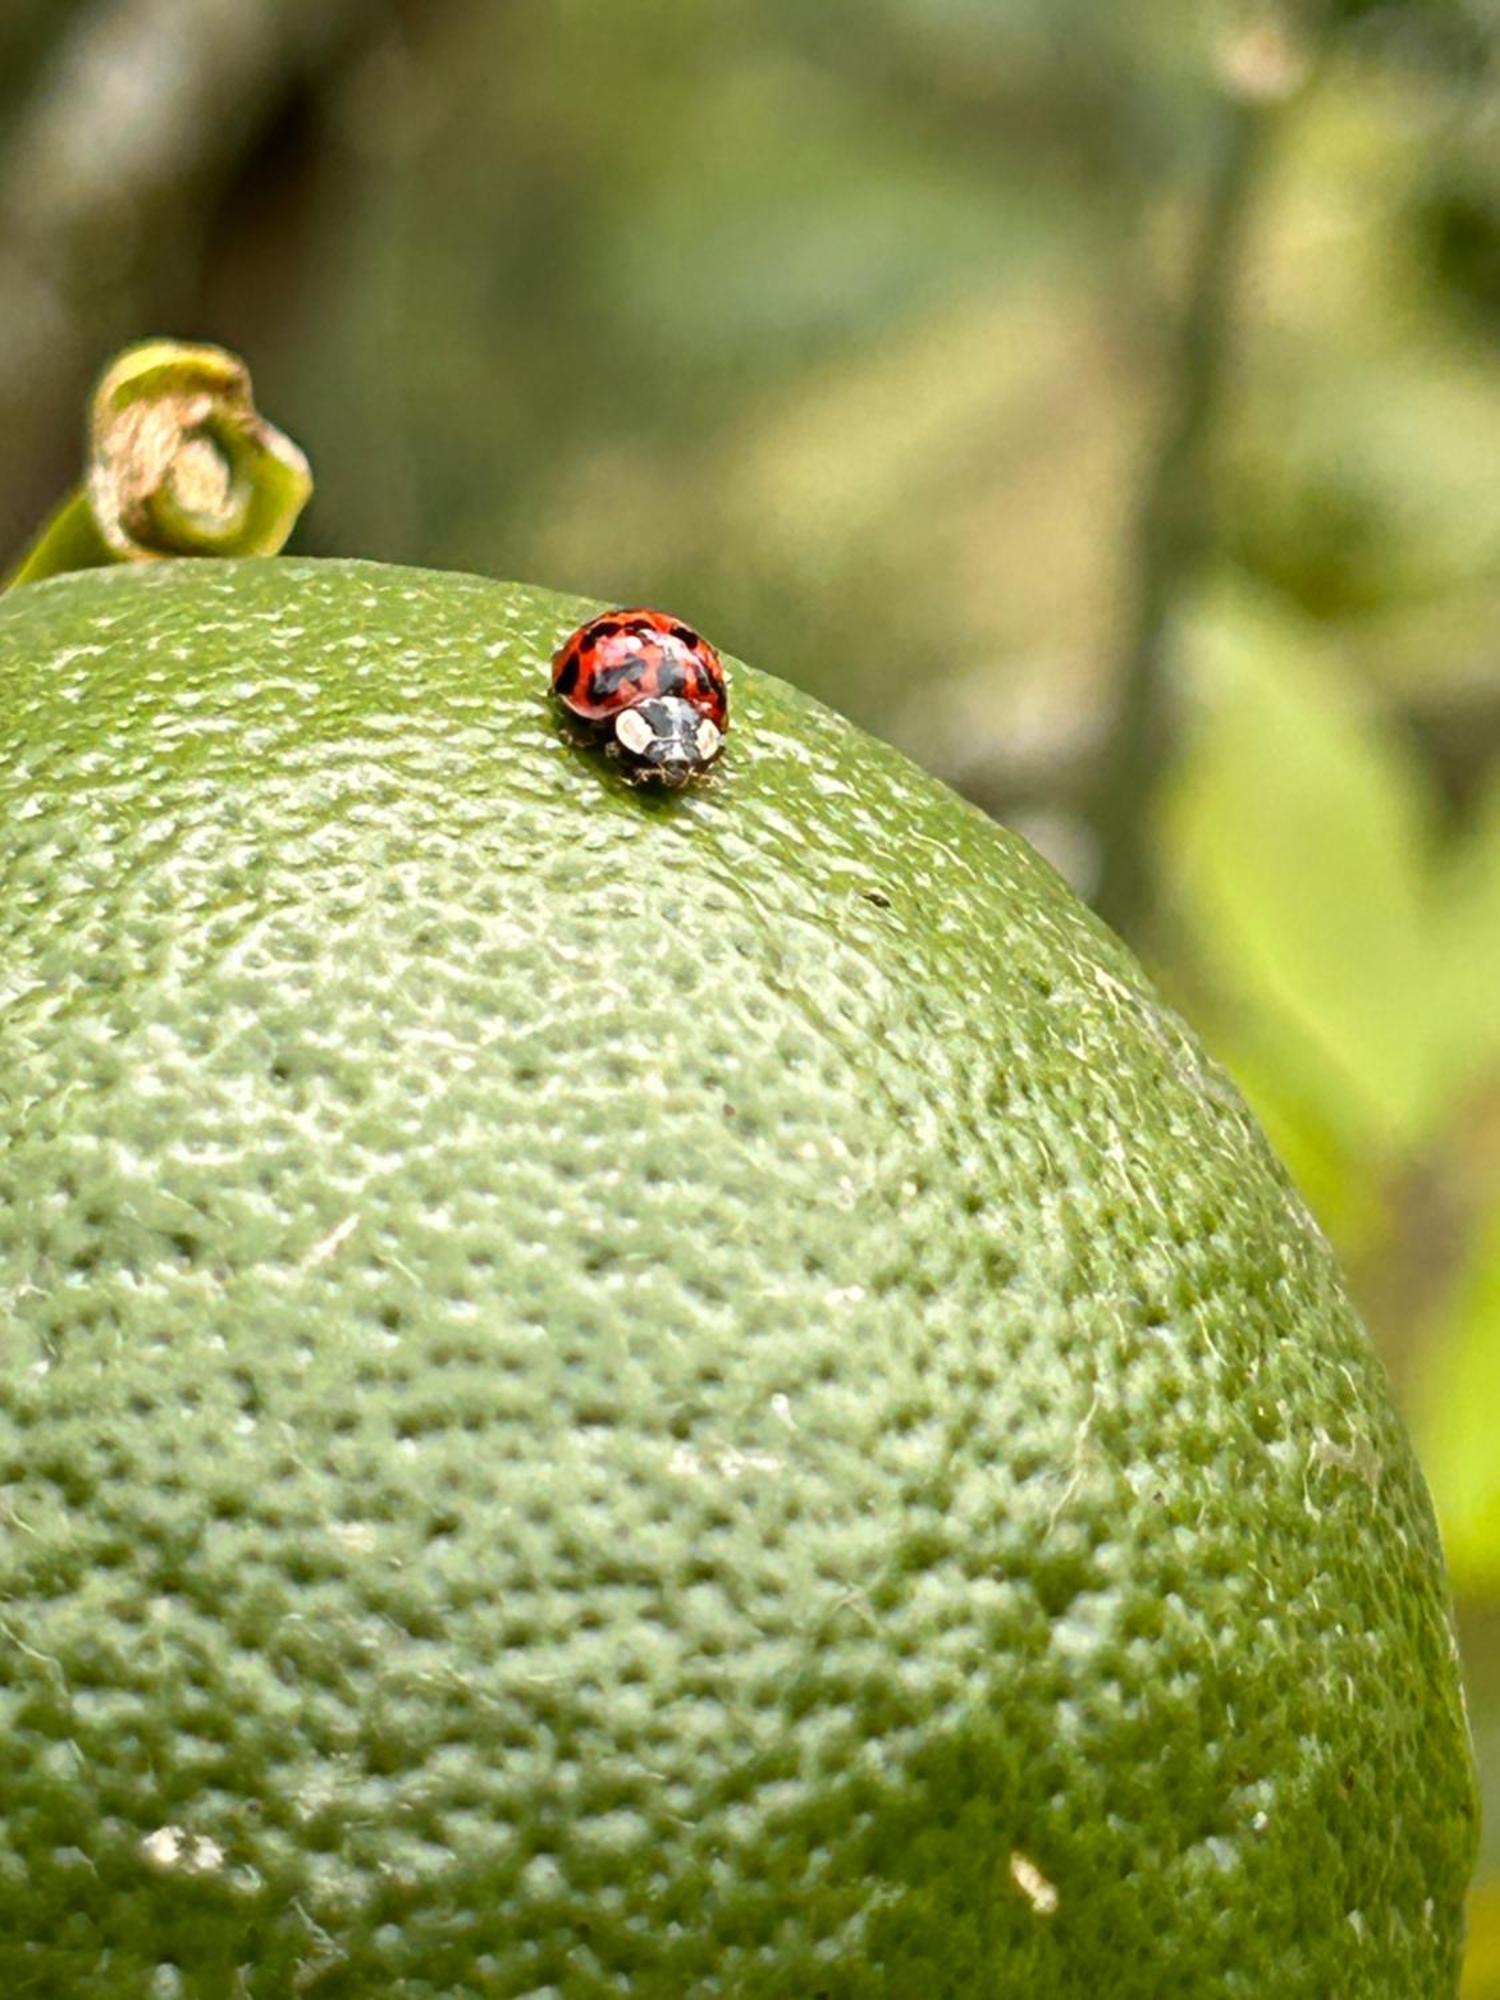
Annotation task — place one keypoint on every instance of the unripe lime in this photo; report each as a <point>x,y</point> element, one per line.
<point>615,1395</point>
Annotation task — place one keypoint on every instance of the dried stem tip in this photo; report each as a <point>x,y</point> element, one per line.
<point>182,464</point>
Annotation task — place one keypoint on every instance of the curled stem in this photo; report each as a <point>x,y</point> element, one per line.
<point>180,463</point>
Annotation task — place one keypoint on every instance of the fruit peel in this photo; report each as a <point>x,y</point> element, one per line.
<point>709,1393</point>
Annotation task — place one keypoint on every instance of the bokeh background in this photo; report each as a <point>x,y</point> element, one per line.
<point>1100,402</point>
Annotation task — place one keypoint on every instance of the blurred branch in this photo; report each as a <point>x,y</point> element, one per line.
<point>145,95</point>
<point>1260,69</point>
<point>143,106</point>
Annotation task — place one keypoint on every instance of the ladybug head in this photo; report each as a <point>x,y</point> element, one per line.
<point>665,738</point>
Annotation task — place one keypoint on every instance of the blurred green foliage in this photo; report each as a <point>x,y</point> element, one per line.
<point>1347,951</point>
<point>849,332</point>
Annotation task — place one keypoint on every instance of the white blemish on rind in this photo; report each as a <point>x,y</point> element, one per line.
<point>1359,1460</point>
<point>357,1536</point>
<point>731,1464</point>
<point>333,1241</point>
<point>1033,1885</point>
<point>175,1847</point>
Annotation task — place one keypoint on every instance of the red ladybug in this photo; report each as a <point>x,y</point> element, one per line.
<point>649,688</point>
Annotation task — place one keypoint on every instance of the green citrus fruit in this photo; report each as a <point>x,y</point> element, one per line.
<point>615,1395</point>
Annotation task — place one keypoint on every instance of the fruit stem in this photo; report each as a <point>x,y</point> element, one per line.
<point>1260,69</point>
<point>180,463</point>
<point>69,539</point>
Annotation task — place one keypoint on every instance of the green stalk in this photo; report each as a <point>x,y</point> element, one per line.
<point>1261,70</point>
<point>69,539</point>
<point>180,463</point>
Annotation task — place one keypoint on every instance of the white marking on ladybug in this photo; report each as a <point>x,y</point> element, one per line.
<point>634,731</point>
<point>707,739</point>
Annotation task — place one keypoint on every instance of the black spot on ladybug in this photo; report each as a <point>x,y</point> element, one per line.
<point>567,678</point>
<point>608,680</point>
<point>687,635</point>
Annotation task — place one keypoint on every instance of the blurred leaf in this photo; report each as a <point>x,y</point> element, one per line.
<point>1297,845</point>
<point>1354,961</point>
<point>1458,1396</point>
<point>1467,943</point>
<point>1457,217</point>
<point>1358,460</point>
<point>1482,1961</point>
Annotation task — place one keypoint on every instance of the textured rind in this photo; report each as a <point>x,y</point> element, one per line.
<point>611,1395</point>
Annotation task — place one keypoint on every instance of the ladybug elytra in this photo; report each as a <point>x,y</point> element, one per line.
<point>647,687</point>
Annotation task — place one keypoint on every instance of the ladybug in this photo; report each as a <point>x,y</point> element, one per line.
<point>647,687</point>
